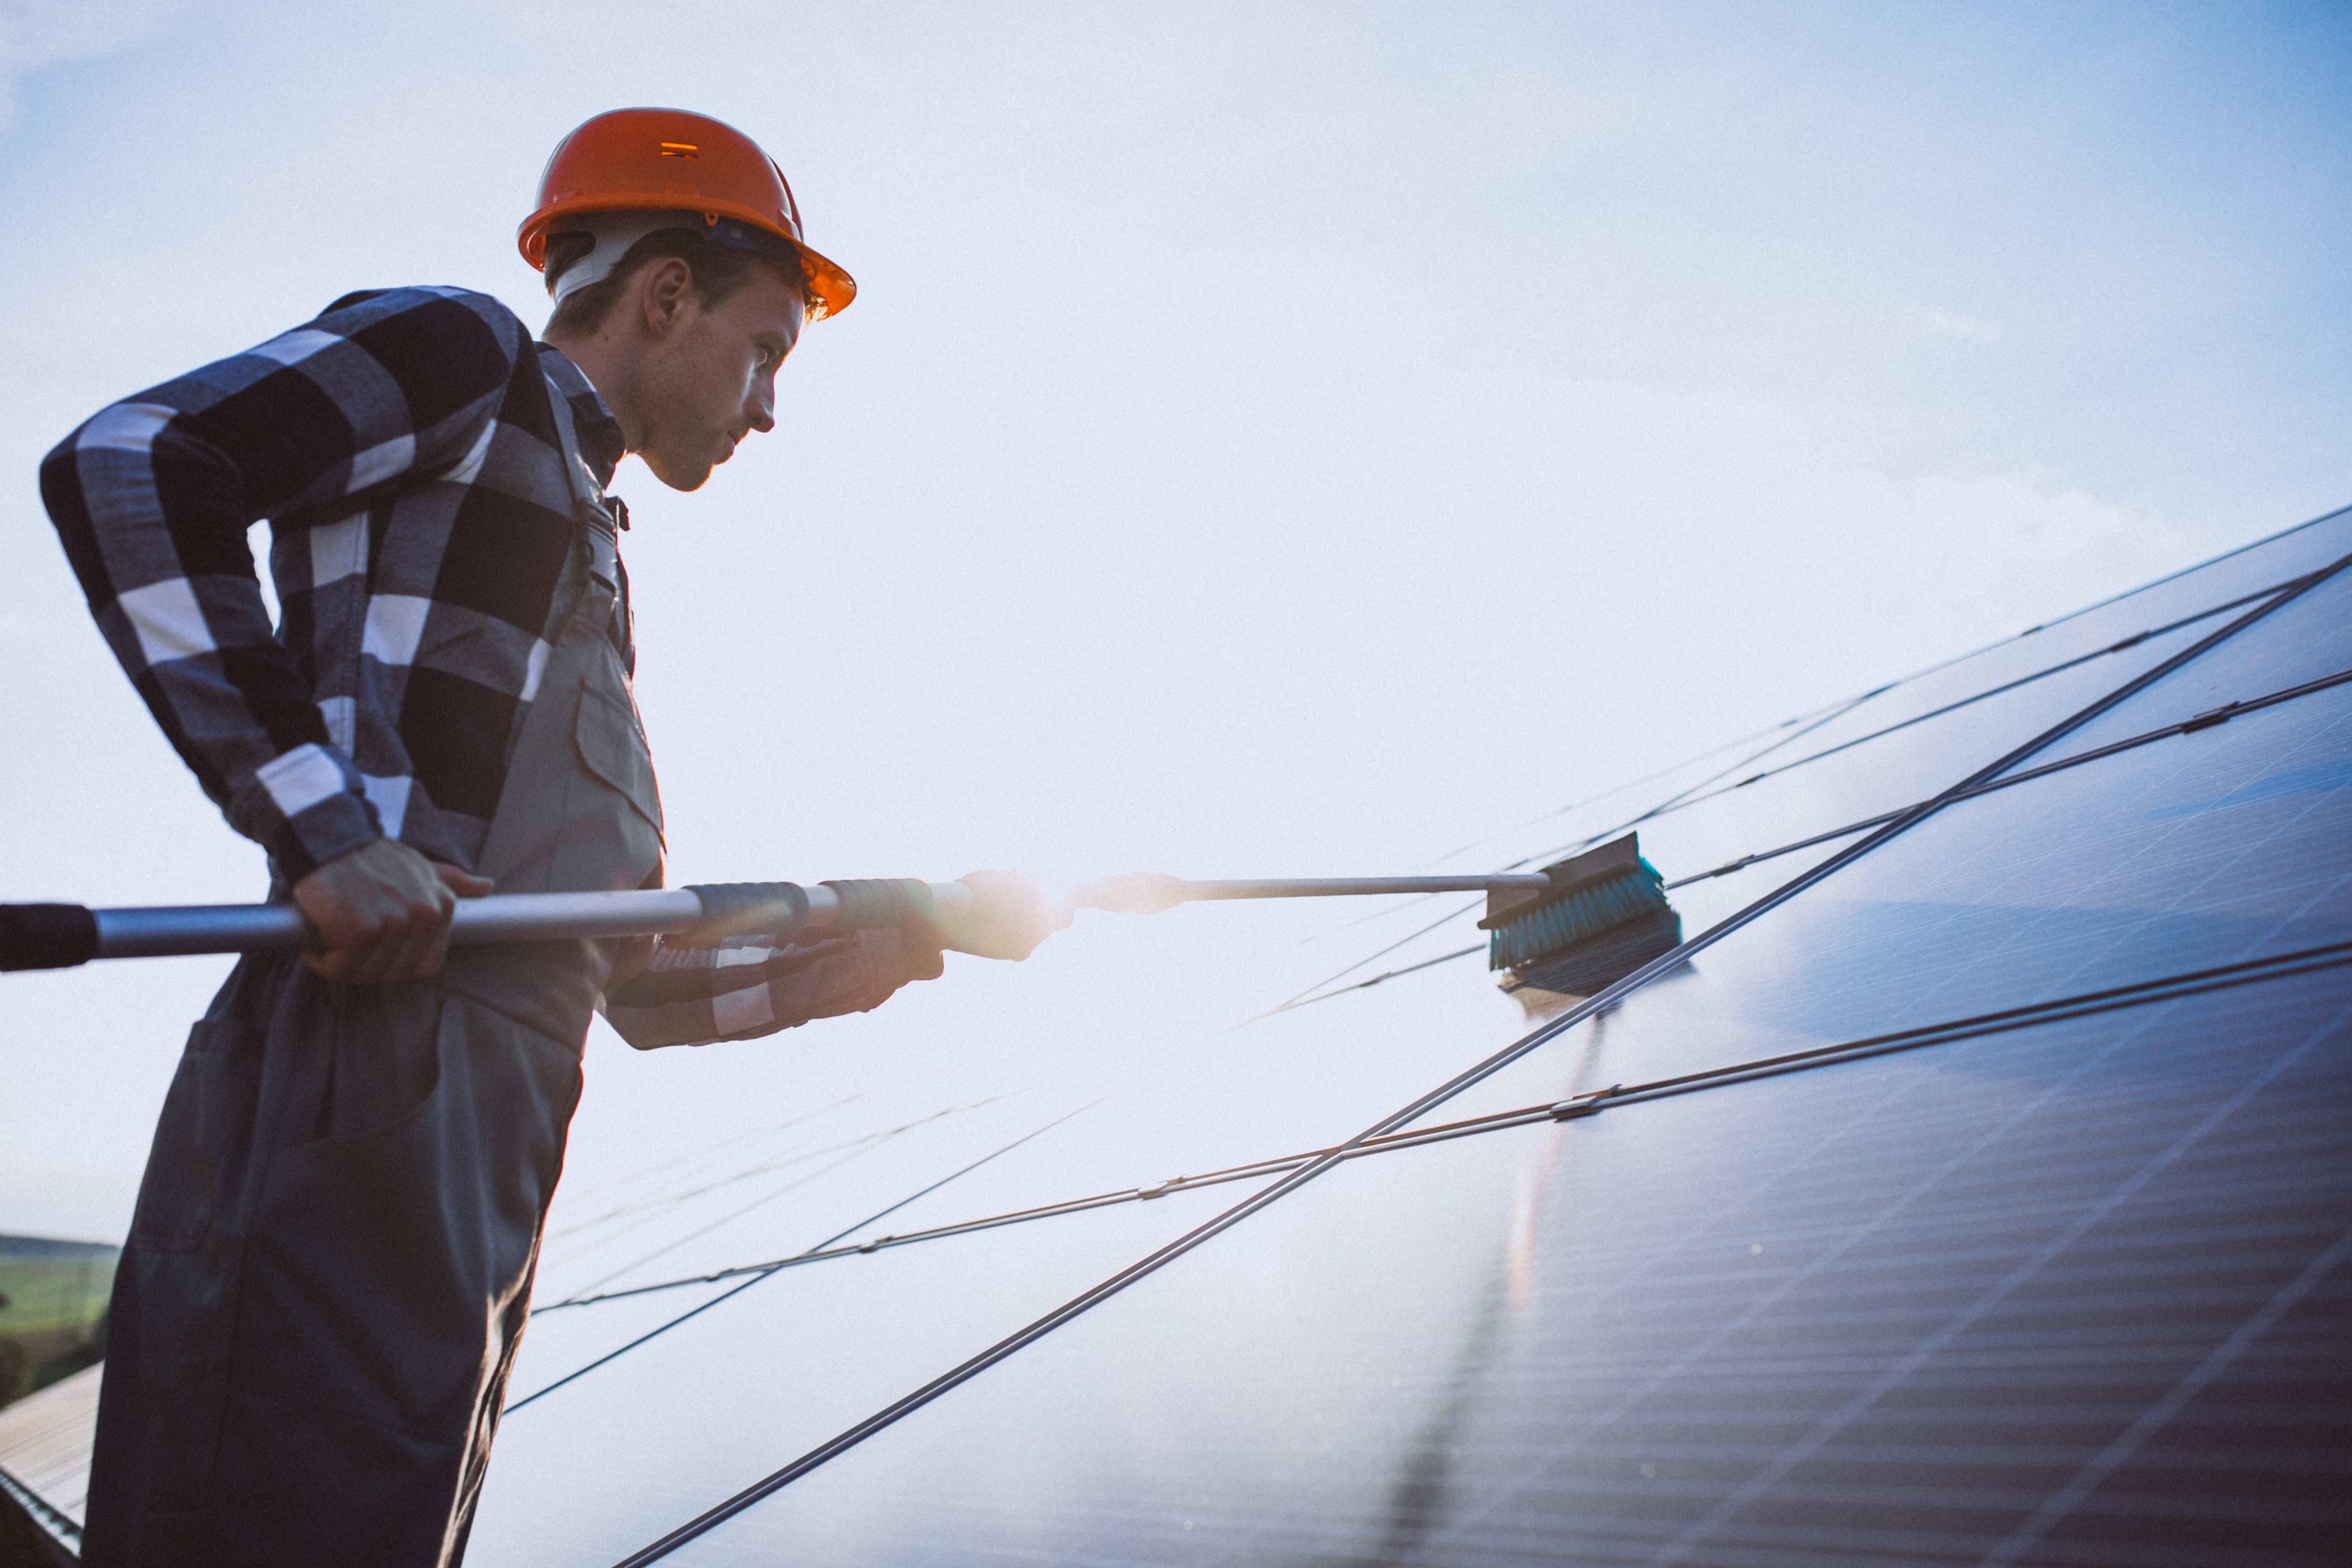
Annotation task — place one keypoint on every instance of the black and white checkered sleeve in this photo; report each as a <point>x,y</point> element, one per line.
<point>690,996</point>
<point>152,498</point>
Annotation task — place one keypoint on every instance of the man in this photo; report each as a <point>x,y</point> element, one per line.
<point>331,1256</point>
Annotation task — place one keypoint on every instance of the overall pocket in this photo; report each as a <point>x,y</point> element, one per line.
<point>381,1265</point>
<point>612,746</point>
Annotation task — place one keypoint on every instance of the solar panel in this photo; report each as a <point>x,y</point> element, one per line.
<point>2071,1293</point>
<point>2033,1253</point>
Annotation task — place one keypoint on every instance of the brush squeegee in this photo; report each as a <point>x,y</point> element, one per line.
<point>1603,916</point>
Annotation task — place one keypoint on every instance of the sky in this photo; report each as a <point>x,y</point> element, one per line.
<point>1269,439</point>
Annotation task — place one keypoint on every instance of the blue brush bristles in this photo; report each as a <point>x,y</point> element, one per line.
<point>1521,938</point>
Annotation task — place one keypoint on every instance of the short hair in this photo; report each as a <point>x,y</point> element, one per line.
<point>716,271</point>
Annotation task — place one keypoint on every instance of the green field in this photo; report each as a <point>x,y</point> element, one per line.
<point>52,1310</point>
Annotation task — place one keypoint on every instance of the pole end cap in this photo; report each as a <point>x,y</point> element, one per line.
<point>47,936</point>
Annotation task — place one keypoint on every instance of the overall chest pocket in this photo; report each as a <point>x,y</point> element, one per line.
<point>614,748</point>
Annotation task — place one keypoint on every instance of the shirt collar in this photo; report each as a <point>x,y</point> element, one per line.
<point>602,444</point>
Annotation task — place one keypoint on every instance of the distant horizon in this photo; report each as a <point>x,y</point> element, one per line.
<point>58,1243</point>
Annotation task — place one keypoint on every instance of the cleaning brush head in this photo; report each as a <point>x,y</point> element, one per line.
<point>1604,915</point>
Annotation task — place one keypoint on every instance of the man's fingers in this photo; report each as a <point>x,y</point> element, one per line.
<point>427,933</point>
<point>436,931</point>
<point>335,965</point>
<point>462,883</point>
<point>401,936</point>
<point>415,946</point>
<point>404,956</point>
<point>383,911</point>
<point>374,961</point>
<point>437,950</point>
<point>349,935</point>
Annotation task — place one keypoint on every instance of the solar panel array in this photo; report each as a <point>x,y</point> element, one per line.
<point>1974,1185</point>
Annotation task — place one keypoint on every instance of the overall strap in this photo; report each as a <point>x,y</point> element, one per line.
<point>598,583</point>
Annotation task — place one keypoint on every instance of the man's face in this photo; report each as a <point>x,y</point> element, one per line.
<point>712,381</point>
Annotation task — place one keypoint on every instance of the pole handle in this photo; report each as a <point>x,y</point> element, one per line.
<point>61,936</point>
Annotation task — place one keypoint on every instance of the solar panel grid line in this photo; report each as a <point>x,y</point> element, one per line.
<point>696,1311</point>
<point>848,1148</point>
<point>576,1373</point>
<point>1576,1107</point>
<point>2164,990</point>
<point>1283,1187</point>
<point>703,1230</point>
<point>879,1244</point>
<point>1308,999</point>
<point>663,1167</point>
<point>769,1166</point>
<point>1683,796</point>
<point>1449,916</point>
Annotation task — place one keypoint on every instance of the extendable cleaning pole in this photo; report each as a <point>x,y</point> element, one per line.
<point>1537,910</point>
<point>59,936</point>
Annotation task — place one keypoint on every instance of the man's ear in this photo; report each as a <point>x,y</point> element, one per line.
<point>663,293</point>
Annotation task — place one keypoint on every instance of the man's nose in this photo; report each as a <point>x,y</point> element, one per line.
<point>760,409</point>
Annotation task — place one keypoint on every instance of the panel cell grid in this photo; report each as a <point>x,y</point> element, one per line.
<point>2064,1295</point>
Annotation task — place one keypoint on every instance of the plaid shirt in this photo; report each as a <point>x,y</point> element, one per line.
<point>421,461</point>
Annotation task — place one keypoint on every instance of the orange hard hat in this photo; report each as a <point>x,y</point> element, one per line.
<point>667,160</point>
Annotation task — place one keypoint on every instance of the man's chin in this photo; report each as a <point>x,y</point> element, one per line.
<point>678,476</point>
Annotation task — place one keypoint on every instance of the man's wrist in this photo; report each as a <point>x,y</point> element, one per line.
<point>328,831</point>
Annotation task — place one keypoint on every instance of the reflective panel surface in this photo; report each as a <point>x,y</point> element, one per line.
<point>2037,1294</point>
<point>604,1464</point>
<point>2010,1299</point>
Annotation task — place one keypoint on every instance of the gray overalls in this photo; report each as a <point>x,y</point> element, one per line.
<point>330,1264</point>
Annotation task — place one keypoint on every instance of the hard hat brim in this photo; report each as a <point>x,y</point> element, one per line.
<point>830,288</point>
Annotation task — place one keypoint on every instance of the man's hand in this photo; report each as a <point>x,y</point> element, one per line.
<point>1007,917</point>
<point>384,912</point>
